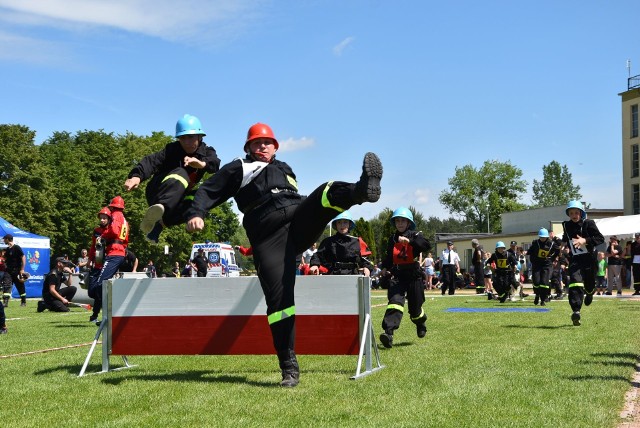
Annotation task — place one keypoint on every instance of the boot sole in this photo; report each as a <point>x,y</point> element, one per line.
<point>151,217</point>
<point>371,175</point>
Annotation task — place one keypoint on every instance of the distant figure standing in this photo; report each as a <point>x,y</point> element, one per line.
<point>614,263</point>
<point>201,263</point>
<point>478,268</point>
<point>450,268</point>
<point>15,261</point>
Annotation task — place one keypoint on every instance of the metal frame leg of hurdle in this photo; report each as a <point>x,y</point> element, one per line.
<point>367,340</point>
<point>104,331</point>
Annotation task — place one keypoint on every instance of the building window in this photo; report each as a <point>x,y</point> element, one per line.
<point>636,198</point>
<point>635,161</point>
<point>634,121</point>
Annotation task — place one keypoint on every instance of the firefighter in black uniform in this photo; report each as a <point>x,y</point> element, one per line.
<point>581,236</point>
<point>341,253</point>
<point>404,246</point>
<point>478,267</point>
<point>176,169</point>
<point>542,253</point>
<point>505,265</point>
<point>280,224</point>
<point>15,261</point>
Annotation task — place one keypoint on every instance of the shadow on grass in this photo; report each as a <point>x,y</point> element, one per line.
<point>60,325</point>
<point>190,376</point>
<point>614,359</point>
<point>395,345</point>
<point>596,377</point>
<point>540,327</point>
<point>213,376</point>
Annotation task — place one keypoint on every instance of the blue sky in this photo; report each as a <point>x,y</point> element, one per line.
<point>427,85</point>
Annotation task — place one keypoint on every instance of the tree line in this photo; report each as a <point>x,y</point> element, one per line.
<point>56,189</point>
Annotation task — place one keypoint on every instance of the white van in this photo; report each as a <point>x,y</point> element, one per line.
<point>222,259</point>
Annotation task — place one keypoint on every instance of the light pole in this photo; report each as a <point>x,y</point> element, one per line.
<point>488,216</point>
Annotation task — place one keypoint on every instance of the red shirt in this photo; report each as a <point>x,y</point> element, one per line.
<point>116,235</point>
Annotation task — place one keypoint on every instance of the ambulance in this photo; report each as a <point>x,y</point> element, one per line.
<point>222,259</point>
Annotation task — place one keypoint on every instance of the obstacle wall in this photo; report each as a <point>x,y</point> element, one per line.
<point>224,316</point>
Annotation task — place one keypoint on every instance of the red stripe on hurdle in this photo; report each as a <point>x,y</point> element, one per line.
<point>230,335</point>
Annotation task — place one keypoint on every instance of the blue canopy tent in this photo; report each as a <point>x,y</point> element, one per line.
<point>37,253</point>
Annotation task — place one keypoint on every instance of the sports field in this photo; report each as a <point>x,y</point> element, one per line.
<point>476,368</point>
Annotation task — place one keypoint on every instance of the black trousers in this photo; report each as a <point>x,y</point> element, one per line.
<point>541,276</point>
<point>56,305</point>
<point>404,286</point>
<point>478,277</point>
<point>502,283</point>
<point>7,283</point>
<point>277,237</point>
<point>19,284</point>
<point>582,279</point>
<point>635,269</point>
<point>449,278</point>
<point>171,190</point>
<point>2,316</point>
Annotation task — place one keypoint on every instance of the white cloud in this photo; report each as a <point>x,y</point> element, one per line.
<point>169,20</point>
<point>292,145</point>
<point>337,49</point>
<point>422,196</point>
<point>30,50</point>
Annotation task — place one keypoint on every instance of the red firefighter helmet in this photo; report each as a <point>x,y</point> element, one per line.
<point>260,130</point>
<point>117,202</point>
<point>106,211</point>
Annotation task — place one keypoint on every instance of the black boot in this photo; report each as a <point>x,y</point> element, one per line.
<point>367,189</point>
<point>290,369</point>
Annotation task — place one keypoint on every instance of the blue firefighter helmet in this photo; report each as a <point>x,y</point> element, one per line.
<point>187,125</point>
<point>543,233</point>
<point>345,215</point>
<point>577,205</point>
<point>404,213</point>
<point>500,244</point>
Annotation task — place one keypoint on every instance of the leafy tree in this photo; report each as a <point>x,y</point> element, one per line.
<point>382,230</point>
<point>493,189</point>
<point>556,187</point>
<point>76,205</point>
<point>27,194</point>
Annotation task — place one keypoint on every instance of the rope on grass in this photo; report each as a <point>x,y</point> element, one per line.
<point>42,351</point>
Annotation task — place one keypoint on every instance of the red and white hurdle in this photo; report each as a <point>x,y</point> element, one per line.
<point>227,316</point>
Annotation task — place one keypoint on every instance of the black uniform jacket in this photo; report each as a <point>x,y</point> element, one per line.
<point>505,262</point>
<point>341,255</point>
<point>543,253</point>
<point>172,157</point>
<point>256,186</point>
<point>586,229</point>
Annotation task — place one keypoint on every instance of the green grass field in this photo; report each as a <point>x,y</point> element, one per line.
<point>496,369</point>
